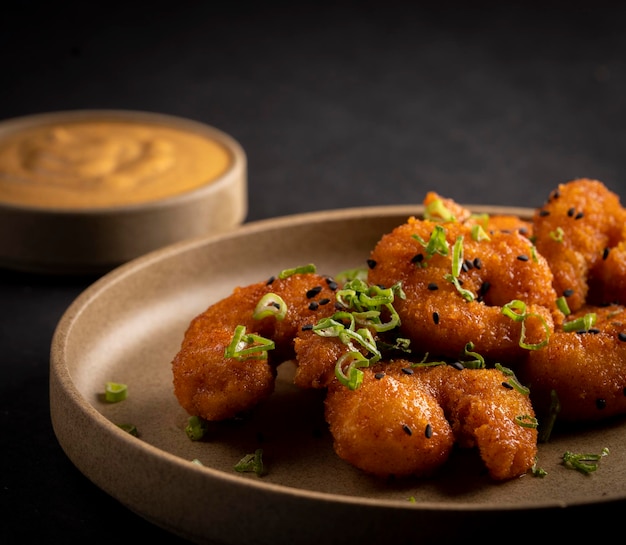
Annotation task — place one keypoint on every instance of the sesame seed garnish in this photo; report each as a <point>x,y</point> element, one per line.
<point>378,376</point>
<point>600,404</point>
<point>507,385</point>
<point>314,305</point>
<point>270,280</point>
<point>407,370</point>
<point>571,212</point>
<point>332,284</point>
<point>371,263</point>
<point>324,301</point>
<point>432,286</point>
<point>313,292</point>
<point>568,293</point>
<point>544,213</point>
<point>428,432</point>
<point>478,263</point>
<point>580,215</point>
<point>522,257</point>
<point>407,429</point>
<point>307,327</point>
<point>485,287</point>
<point>436,318</point>
<point>622,336</point>
<point>605,253</point>
<point>458,365</point>
<point>417,258</point>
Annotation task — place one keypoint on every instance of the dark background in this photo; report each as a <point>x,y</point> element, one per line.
<point>337,105</point>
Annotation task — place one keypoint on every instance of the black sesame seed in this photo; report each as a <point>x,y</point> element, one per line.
<point>433,286</point>
<point>428,432</point>
<point>600,404</point>
<point>523,231</point>
<point>270,280</point>
<point>467,263</point>
<point>332,284</point>
<point>324,301</point>
<point>522,258</point>
<point>478,263</point>
<point>313,292</point>
<point>457,365</point>
<point>578,216</point>
<point>307,327</point>
<point>485,287</point>
<point>314,305</point>
<point>568,293</point>
<point>605,253</point>
<point>417,258</point>
<point>407,370</point>
<point>571,212</point>
<point>544,213</point>
<point>622,336</point>
<point>593,330</point>
<point>378,376</point>
<point>407,429</point>
<point>507,385</point>
<point>371,263</point>
<point>436,317</point>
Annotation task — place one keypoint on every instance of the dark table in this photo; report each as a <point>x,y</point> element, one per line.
<point>337,105</point>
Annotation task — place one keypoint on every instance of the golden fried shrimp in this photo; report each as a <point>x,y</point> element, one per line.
<point>405,420</point>
<point>437,207</point>
<point>445,308</point>
<point>388,426</point>
<point>316,358</point>
<point>586,368</point>
<point>573,230</point>
<point>214,386</point>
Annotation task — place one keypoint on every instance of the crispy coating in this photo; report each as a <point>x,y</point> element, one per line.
<point>407,424</point>
<point>208,384</point>
<point>497,271</point>
<point>580,219</point>
<point>586,370</point>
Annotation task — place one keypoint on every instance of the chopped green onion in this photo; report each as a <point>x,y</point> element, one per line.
<point>352,376</point>
<point>115,392</point>
<point>246,346</point>
<point>562,305</point>
<point>585,463</point>
<point>303,269</point>
<point>436,210</point>
<point>437,243</point>
<point>584,323</point>
<point>533,254</point>
<point>251,463</point>
<point>196,428</point>
<point>197,462</point>
<point>516,310</point>
<point>545,430</point>
<point>129,428</point>
<point>557,234</point>
<point>512,379</point>
<point>526,421</point>
<point>478,362</point>
<point>538,471</point>
<point>270,305</point>
<point>457,264</point>
<point>479,234</point>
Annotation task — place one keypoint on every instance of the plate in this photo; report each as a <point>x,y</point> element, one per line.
<point>128,326</point>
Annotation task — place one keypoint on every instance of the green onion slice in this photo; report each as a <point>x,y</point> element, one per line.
<point>557,235</point>
<point>585,463</point>
<point>478,361</point>
<point>437,243</point>
<point>584,323</point>
<point>347,369</point>
<point>562,305</point>
<point>196,428</point>
<point>303,269</point>
<point>526,421</point>
<point>436,210</point>
<point>479,234</point>
<point>270,305</point>
<point>251,463</point>
<point>512,379</point>
<point>516,310</point>
<point>248,346</point>
<point>129,428</point>
<point>457,264</point>
<point>114,392</point>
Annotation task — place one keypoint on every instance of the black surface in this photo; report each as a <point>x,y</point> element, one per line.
<point>336,105</point>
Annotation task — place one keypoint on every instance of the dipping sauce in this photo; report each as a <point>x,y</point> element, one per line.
<point>103,163</point>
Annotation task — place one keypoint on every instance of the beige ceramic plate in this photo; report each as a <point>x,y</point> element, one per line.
<point>127,327</point>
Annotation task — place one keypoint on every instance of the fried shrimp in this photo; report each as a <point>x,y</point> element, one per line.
<point>574,230</point>
<point>214,385</point>
<point>457,285</point>
<point>585,368</point>
<point>405,420</point>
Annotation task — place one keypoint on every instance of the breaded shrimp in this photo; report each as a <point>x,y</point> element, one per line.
<point>215,386</point>
<point>585,368</point>
<point>449,304</point>
<point>572,230</point>
<point>404,420</point>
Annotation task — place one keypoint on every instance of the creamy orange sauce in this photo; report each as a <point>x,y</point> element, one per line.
<point>98,163</point>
